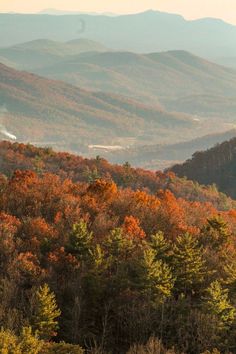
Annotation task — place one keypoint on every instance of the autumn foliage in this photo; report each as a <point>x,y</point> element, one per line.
<point>118,263</point>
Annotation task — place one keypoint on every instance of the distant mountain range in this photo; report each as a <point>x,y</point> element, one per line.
<point>177,80</point>
<point>216,165</point>
<point>146,32</point>
<point>62,12</point>
<point>36,109</point>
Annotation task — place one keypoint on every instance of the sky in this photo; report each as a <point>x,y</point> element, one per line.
<point>190,9</point>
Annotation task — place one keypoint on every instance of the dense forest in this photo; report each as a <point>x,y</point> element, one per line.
<point>99,258</point>
<point>216,165</point>
<point>78,169</point>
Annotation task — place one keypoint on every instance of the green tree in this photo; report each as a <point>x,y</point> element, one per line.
<point>156,277</point>
<point>161,246</point>
<point>46,313</point>
<point>29,342</point>
<point>188,264</point>
<point>216,302</point>
<point>9,343</point>
<point>216,233</point>
<point>80,241</point>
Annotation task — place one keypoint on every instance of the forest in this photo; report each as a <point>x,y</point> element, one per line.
<point>102,259</point>
<point>216,165</point>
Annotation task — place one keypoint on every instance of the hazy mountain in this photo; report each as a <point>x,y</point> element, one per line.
<point>151,31</point>
<point>171,74</point>
<point>62,12</point>
<point>161,156</point>
<point>41,52</point>
<point>216,165</point>
<point>227,61</point>
<point>163,76</point>
<point>38,109</point>
<point>205,105</point>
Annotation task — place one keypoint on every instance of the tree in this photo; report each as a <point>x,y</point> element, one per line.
<point>161,246</point>
<point>216,233</point>
<point>46,313</point>
<point>156,277</point>
<point>29,342</point>
<point>9,343</point>
<point>189,266</point>
<point>217,303</point>
<point>80,240</point>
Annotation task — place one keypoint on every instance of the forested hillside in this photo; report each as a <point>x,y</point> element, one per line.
<point>79,169</point>
<point>53,112</point>
<point>216,165</point>
<point>112,259</point>
<point>174,77</point>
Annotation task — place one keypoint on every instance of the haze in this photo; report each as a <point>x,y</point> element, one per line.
<point>193,9</point>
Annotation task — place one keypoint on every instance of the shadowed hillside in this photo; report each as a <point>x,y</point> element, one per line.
<point>216,165</point>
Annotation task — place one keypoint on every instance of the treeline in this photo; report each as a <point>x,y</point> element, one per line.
<point>216,165</point>
<point>78,169</point>
<point>112,270</point>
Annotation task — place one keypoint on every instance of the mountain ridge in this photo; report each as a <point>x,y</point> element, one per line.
<point>129,32</point>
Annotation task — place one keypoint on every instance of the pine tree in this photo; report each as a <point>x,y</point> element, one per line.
<point>216,233</point>
<point>188,263</point>
<point>80,241</point>
<point>161,247</point>
<point>46,313</point>
<point>29,342</point>
<point>217,303</point>
<point>156,277</point>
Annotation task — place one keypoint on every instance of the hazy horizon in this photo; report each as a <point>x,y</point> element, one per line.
<point>224,10</point>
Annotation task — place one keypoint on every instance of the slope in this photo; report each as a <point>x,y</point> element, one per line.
<point>216,165</point>
<point>42,52</point>
<point>160,76</point>
<point>49,111</point>
<point>161,156</point>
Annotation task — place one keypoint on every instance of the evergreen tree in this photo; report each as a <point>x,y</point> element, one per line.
<point>156,277</point>
<point>9,343</point>
<point>29,342</point>
<point>161,247</point>
<point>80,241</point>
<point>46,313</point>
<point>188,263</point>
<point>216,233</point>
<point>217,303</point>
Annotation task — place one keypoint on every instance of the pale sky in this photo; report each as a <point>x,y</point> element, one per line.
<point>190,9</point>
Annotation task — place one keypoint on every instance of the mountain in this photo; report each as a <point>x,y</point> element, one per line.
<point>159,156</point>
<point>226,61</point>
<point>52,112</point>
<point>204,105</point>
<point>42,52</point>
<point>150,31</point>
<point>216,165</point>
<point>62,12</point>
<point>167,75</point>
<point>177,79</point>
